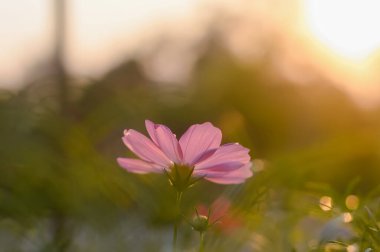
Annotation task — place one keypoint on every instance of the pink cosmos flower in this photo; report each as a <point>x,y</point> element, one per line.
<point>198,150</point>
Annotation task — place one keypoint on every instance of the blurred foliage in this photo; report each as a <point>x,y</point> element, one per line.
<point>61,189</point>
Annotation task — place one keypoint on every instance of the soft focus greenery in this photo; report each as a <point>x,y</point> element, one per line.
<point>62,190</point>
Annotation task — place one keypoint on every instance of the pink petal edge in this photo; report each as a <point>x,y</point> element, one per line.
<point>163,137</point>
<point>197,140</point>
<point>151,128</point>
<point>145,149</point>
<point>234,177</point>
<point>225,154</point>
<point>138,166</point>
<point>169,143</point>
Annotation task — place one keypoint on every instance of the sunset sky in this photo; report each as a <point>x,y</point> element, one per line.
<point>340,37</point>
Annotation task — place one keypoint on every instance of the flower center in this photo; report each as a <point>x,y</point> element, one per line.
<point>180,177</point>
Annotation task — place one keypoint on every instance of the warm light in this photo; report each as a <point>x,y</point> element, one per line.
<point>347,217</point>
<point>326,203</point>
<point>352,202</point>
<point>353,248</point>
<point>348,27</point>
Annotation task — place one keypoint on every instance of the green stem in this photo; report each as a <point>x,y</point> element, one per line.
<point>202,242</point>
<point>175,230</point>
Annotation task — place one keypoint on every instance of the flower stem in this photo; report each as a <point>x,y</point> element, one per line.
<point>175,230</point>
<point>202,241</point>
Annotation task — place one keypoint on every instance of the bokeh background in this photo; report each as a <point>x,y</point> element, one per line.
<point>296,81</point>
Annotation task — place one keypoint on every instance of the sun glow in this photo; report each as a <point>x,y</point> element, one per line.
<point>350,28</point>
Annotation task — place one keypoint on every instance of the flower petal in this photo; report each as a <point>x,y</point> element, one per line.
<point>219,169</point>
<point>198,139</point>
<point>138,166</point>
<point>242,171</point>
<point>237,176</point>
<point>226,156</point>
<point>145,148</point>
<point>169,143</point>
<point>151,128</point>
<point>226,180</point>
<point>165,140</point>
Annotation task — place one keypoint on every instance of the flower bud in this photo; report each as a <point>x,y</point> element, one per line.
<point>200,223</point>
